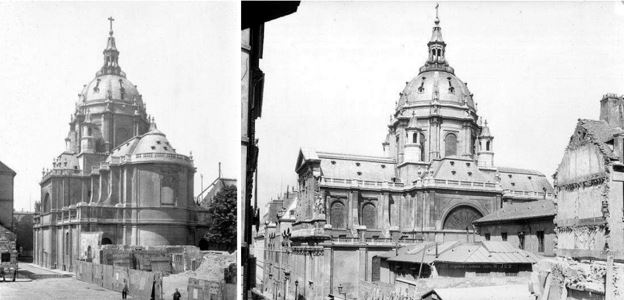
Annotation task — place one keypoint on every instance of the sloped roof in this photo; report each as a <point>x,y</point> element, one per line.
<point>456,168</point>
<point>361,167</point>
<point>304,156</point>
<point>600,133</point>
<point>487,252</point>
<point>524,180</point>
<point>5,169</point>
<point>415,254</point>
<point>518,211</point>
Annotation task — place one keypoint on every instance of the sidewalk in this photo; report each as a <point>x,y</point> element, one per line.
<point>33,271</point>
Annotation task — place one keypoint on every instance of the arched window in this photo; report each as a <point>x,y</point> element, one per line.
<point>337,215</point>
<point>487,146</point>
<point>415,138</point>
<point>461,218</point>
<point>369,215</point>
<point>450,144</point>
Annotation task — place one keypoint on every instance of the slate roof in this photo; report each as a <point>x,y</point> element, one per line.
<point>4,169</point>
<point>516,211</point>
<point>524,180</point>
<point>361,167</point>
<point>456,168</point>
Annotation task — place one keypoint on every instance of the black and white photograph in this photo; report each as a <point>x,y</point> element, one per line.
<point>389,150</point>
<point>117,178</point>
<point>433,150</point>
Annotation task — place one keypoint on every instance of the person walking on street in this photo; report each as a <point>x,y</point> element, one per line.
<point>124,291</point>
<point>176,295</point>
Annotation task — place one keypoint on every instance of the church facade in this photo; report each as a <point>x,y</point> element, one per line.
<point>436,177</point>
<point>118,181</point>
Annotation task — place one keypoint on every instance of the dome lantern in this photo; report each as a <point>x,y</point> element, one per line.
<point>111,56</point>
<point>437,50</point>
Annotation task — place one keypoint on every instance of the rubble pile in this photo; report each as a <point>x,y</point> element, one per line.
<point>581,275</point>
<point>212,269</point>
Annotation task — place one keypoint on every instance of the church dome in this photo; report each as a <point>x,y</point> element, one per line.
<point>110,86</point>
<point>444,86</point>
<point>110,82</point>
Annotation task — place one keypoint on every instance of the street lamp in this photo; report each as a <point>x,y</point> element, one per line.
<point>296,289</point>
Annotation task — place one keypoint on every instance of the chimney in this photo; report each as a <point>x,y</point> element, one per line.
<point>611,110</point>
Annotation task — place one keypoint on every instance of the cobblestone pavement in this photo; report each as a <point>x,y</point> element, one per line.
<point>54,288</point>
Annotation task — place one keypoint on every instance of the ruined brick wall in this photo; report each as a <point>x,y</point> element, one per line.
<point>583,196</point>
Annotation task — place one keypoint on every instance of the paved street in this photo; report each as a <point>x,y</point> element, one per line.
<point>54,288</point>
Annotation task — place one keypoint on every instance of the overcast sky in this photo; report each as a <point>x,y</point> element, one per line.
<point>334,72</point>
<point>184,58</point>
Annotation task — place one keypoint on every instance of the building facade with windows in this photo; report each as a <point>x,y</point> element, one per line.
<point>437,175</point>
<point>529,226</point>
<point>119,180</point>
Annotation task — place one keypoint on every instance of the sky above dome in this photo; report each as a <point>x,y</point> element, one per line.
<point>334,72</point>
<point>183,57</point>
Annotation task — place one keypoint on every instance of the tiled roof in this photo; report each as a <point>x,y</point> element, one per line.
<point>517,211</point>
<point>487,252</point>
<point>415,254</point>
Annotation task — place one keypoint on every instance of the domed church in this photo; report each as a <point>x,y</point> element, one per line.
<point>437,174</point>
<point>119,179</point>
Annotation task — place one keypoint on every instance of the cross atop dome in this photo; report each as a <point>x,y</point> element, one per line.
<point>437,48</point>
<point>111,55</point>
<point>437,20</point>
<point>110,19</point>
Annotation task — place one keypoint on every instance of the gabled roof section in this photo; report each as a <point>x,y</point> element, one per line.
<point>599,133</point>
<point>305,155</point>
<point>4,169</point>
<point>520,211</point>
